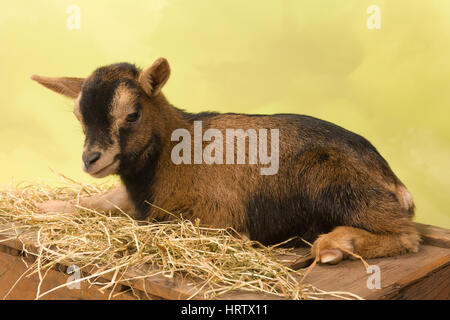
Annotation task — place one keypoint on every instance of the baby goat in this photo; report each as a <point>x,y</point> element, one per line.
<point>332,186</point>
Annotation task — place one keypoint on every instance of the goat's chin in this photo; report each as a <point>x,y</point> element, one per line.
<point>102,174</point>
<point>106,171</point>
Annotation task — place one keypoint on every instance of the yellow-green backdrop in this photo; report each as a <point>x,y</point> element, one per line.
<point>315,57</point>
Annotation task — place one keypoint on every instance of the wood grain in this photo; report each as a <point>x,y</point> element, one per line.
<point>434,236</point>
<point>396,273</point>
<point>12,268</point>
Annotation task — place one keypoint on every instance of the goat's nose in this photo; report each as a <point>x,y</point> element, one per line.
<point>89,158</point>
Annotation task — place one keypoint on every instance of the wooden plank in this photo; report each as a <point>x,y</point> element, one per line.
<point>401,276</point>
<point>301,259</point>
<point>398,275</point>
<point>430,282</point>
<point>434,236</point>
<point>154,286</point>
<point>12,268</point>
<point>178,288</point>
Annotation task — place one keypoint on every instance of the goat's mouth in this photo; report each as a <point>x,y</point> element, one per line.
<point>106,170</point>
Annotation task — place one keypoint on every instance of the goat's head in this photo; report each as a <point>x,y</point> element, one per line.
<point>114,107</point>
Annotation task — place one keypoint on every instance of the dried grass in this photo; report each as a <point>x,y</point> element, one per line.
<point>216,260</point>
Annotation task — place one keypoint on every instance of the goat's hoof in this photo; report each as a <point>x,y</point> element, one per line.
<point>332,248</point>
<point>331,256</point>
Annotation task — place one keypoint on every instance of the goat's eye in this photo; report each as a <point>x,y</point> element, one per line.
<point>133,117</point>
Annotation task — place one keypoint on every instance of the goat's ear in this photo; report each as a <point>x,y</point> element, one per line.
<point>155,77</point>
<point>69,87</point>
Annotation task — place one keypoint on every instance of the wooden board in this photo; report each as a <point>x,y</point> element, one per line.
<point>425,275</point>
<point>155,287</point>
<point>13,267</point>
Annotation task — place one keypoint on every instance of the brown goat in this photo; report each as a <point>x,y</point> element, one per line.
<point>332,186</point>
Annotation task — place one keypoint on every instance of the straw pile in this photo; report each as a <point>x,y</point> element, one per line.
<point>215,260</point>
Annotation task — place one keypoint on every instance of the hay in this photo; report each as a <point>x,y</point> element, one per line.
<point>216,261</point>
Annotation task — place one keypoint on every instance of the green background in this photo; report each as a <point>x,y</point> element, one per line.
<point>310,57</point>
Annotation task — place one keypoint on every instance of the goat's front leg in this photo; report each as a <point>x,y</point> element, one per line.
<point>114,200</point>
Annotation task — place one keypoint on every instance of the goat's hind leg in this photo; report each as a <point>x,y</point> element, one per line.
<point>335,246</point>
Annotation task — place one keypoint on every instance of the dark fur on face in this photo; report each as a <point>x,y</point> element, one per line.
<point>328,177</point>
<point>104,114</point>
